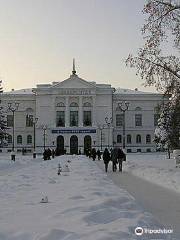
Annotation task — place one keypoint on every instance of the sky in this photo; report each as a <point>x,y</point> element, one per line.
<point>40,38</point>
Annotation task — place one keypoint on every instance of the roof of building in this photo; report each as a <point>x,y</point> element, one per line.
<point>130,91</point>
<point>20,91</point>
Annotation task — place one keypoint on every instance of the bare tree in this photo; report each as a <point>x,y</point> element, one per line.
<point>151,62</point>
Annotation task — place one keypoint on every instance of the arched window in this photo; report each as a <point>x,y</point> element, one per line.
<point>138,138</point>
<point>73,104</point>
<point>138,109</point>
<point>148,138</point>
<point>129,138</point>
<point>29,120</point>
<point>29,139</point>
<point>19,139</point>
<point>9,139</point>
<point>60,104</point>
<point>87,104</point>
<point>119,139</point>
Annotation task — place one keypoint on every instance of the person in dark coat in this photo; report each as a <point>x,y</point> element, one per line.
<point>106,158</point>
<point>93,154</point>
<point>121,157</point>
<point>98,154</point>
<point>49,154</point>
<point>53,153</point>
<point>114,156</point>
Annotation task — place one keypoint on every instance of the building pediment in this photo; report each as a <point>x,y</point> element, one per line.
<point>74,82</point>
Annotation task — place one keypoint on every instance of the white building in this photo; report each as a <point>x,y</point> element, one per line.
<point>76,114</point>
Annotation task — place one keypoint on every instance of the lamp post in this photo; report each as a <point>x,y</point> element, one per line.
<point>13,107</point>
<point>34,130</point>
<point>44,135</point>
<point>101,129</point>
<point>108,122</point>
<point>124,106</point>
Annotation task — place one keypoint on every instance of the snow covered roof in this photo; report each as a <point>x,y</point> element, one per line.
<point>20,91</point>
<point>130,91</point>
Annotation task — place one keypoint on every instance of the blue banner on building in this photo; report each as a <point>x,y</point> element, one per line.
<point>61,131</point>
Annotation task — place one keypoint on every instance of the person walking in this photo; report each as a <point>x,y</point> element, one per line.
<point>98,154</point>
<point>121,156</point>
<point>106,158</point>
<point>114,156</point>
<point>93,154</point>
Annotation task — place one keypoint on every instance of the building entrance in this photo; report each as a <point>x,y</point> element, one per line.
<point>60,145</point>
<point>74,144</point>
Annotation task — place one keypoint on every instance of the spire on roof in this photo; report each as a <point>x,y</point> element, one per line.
<point>74,70</point>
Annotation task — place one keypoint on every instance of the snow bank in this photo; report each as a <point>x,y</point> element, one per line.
<point>156,168</point>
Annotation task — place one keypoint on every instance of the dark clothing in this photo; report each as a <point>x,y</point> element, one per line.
<point>106,158</point>
<point>99,154</point>
<point>114,157</point>
<point>121,157</point>
<point>93,154</point>
<point>53,153</point>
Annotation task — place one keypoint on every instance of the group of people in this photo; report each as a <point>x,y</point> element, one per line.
<point>92,153</point>
<point>48,153</point>
<point>116,155</point>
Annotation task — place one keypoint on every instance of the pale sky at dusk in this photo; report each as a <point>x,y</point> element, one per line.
<point>39,39</point>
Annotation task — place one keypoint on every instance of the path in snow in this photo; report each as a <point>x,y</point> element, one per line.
<point>163,203</point>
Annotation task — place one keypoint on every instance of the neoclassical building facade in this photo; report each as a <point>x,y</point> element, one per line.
<point>75,114</point>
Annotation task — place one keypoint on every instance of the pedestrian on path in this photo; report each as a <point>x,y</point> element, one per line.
<point>121,156</point>
<point>106,158</point>
<point>114,156</point>
<point>93,154</point>
<point>99,154</point>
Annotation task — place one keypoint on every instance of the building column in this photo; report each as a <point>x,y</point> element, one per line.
<point>80,112</point>
<point>94,111</point>
<point>67,112</point>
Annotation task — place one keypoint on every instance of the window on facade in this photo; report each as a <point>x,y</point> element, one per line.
<point>9,139</point>
<point>156,117</point>
<point>60,119</point>
<point>19,139</point>
<point>138,120</point>
<point>29,139</point>
<point>119,139</point>
<point>138,109</point>
<point>87,118</point>
<point>119,120</point>
<point>138,138</point>
<point>148,138</point>
<point>73,118</point>
<point>9,120</point>
<point>129,138</point>
<point>29,120</point>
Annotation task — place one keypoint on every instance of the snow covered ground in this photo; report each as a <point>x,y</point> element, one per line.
<point>156,168</point>
<point>84,204</point>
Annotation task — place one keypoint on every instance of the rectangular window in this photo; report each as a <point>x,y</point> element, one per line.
<point>87,118</point>
<point>156,117</point>
<point>138,120</point>
<point>73,118</point>
<point>9,120</point>
<point>29,120</point>
<point>119,120</point>
<point>60,119</point>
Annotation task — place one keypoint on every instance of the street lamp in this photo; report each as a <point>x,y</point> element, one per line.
<point>44,135</point>
<point>108,122</point>
<point>34,121</point>
<point>101,129</point>
<point>124,106</point>
<point>13,107</point>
